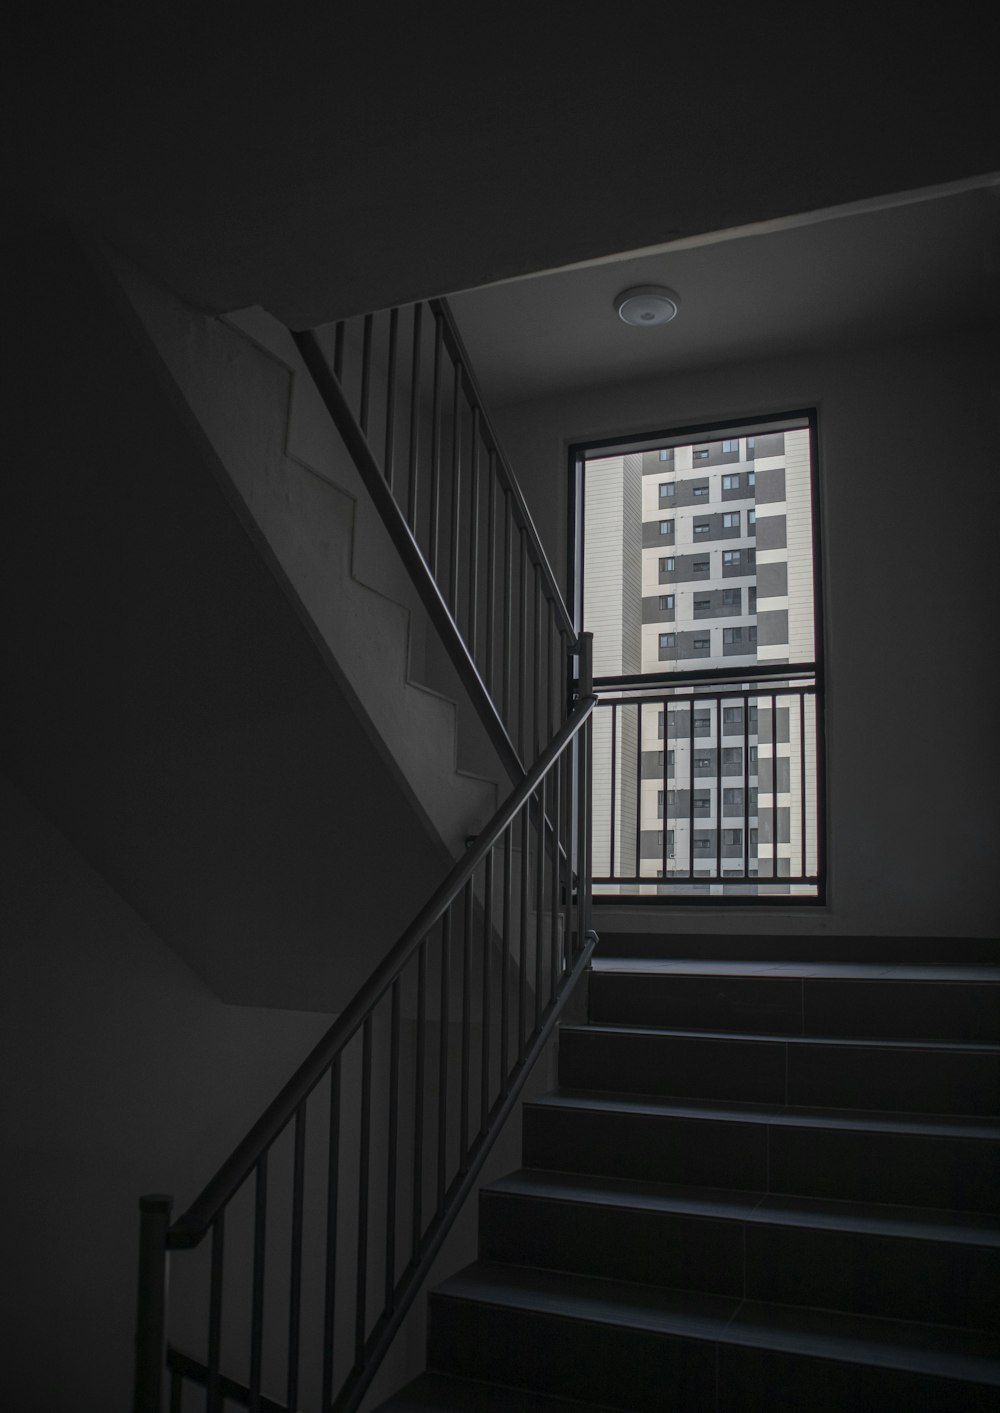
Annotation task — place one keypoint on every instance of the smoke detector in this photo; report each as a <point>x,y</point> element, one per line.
<point>647,305</point>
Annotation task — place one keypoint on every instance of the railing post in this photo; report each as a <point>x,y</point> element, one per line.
<point>151,1306</point>
<point>584,757</point>
<point>585,649</point>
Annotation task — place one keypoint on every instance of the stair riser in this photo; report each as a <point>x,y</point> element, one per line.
<point>773,1072</point>
<point>643,1370</point>
<point>877,1009</point>
<point>899,1278</point>
<point>864,1166</point>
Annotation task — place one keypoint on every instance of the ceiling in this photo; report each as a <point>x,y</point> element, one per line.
<point>843,277</point>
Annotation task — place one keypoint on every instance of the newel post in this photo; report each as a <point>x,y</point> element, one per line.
<point>151,1306</point>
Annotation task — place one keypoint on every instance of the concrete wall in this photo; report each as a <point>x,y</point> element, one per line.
<point>908,473</point>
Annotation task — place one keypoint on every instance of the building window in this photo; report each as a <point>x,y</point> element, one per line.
<point>699,490</point>
<point>700,566</point>
<point>732,800</point>
<point>702,802</point>
<point>666,490</point>
<point>667,564</point>
<point>753,844</point>
<point>671,799</point>
<point>701,453</point>
<point>703,723</point>
<point>666,453</point>
<point>703,605</point>
<point>732,716</point>
<point>732,758</point>
<point>731,598</point>
<point>703,845</point>
<point>751,519</point>
<point>659,724</point>
<point>751,443</point>
<point>730,556</point>
<point>670,763</point>
<point>666,640</point>
<point>731,444</point>
<point>730,483</point>
<point>659,803</point>
<point>666,601</point>
<point>751,479</point>
<point>752,717</point>
<point>731,519</point>
<point>752,792</point>
<point>752,599</point>
<point>702,527</point>
<point>666,527</point>
<point>753,757</point>
<point>701,644</point>
<point>703,762</point>
<point>732,836</point>
<point>732,635</point>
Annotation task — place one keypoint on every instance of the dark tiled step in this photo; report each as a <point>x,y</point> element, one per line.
<point>725,947</point>
<point>960,1004</point>
<point>853,1155</point>
<point>935,1077</point>
<point>632,1346</point>
<point>441,1393</point>
<point>906,1263</point>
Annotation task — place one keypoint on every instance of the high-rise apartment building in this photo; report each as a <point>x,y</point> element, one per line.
<point>711,543</point>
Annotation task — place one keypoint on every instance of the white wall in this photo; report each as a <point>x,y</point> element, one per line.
<point>123,1074</point>
<point>908,491</point>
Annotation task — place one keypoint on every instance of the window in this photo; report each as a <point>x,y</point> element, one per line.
<point>670,762</point>
<point>666,640</point>
<point>751,479</point>
<point>671,799</point>
<point>732,716</point>
<point>732,836</point>
<point>752,792</point>
<point>666,490</point>
<point>666,601</point>
<point>730,556</point>
<point>753,718</point>
<point>667,564</point>
<point>703,605</point>
<point>701,453</point>
<point>732,758</point>
<point>701,644</point>
<point>753,843</point>
<point>703,723</point>
<point>666,453</point>
<point>751,443</point>
<point>731,444</point>
<point>702,802</point>
<point>753,757</point>
<point>730,483</point>
<point>731,598</point>
<point>702,527</point>
<point>731,519</point>
<point>732,800</point>
<point>666,527</point>
<point>703,762</point>
<point>700,566</point>
<point>699,490</point>
<point>752,599</point>
<point>702,844</point>
<point>659,724</point>
<point>659,803</point>
<point>732,635</point>
<point>670,842</point>
<point>751,519</point>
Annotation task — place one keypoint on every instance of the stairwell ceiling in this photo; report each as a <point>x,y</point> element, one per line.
<point>321,161</point>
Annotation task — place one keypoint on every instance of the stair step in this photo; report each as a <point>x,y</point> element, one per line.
<point>655,946</point>
<point>849,1000</point>
<point>906,1263</point>
<point>851,1154</point>
<point>938,1076</point>
<point>443,1393</point>
<point>639,1347</point>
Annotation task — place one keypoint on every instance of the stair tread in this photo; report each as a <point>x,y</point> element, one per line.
<point>898,1344</point>
<point>927,1223</point>
<point>452,1394</point>
<point>782,1038</point>
<point>941,972</point>
<point>791,1115</point>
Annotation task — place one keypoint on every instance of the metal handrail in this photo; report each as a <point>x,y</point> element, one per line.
<point>193,1224</point>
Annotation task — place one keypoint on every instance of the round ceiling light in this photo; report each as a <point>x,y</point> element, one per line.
<point>646,305</point>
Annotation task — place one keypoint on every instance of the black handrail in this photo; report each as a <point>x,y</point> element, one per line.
<point>468,481</point>
<point>553,802</point>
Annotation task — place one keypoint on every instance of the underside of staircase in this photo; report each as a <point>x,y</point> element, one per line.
<point>764,1183</point>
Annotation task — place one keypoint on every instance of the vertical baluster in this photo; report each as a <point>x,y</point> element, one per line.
<point>774,786</point>
<point>537,657</point>
<point>638,791</point>
<point>418,1106</point>
<point>555,966</point>
<point>456,490</point>
<point>487,993</point>
<point>746,786</point>
<point>332,1194</point>
<point>522,656</point>
<point>393,1149</point>
<point>588,813</point>
<point>540,822</point>
<point>213,1397</point>
<point>442,1154</point>
<point>551,689</point>
<point>491,570</point>
<point>802,780</point>
<point>691,791</point>
<point>435,448</point>
<point>473,631</point>
<point>718,787</point>
<point>463,1136</point>
<point>257,1280</point>
<point>666,789</point>
<point>414,465</point>
<point>295,1282</point>
<point>563,670</point>
<point>522,994</point>
<point>508,854</point>
<point>390,398</point>
<point>567,897</point>
<point>583,804</point>
<point>507,645</point>
<point>614,790</point>
<point>364,1166</point>
<point>366,372</point>
<point>338,351</point>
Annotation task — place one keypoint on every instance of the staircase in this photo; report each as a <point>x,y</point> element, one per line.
<point>762,1185</point>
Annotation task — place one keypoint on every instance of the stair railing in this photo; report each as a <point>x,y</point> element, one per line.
<point>307,1247</point>
<point>402,393</point>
